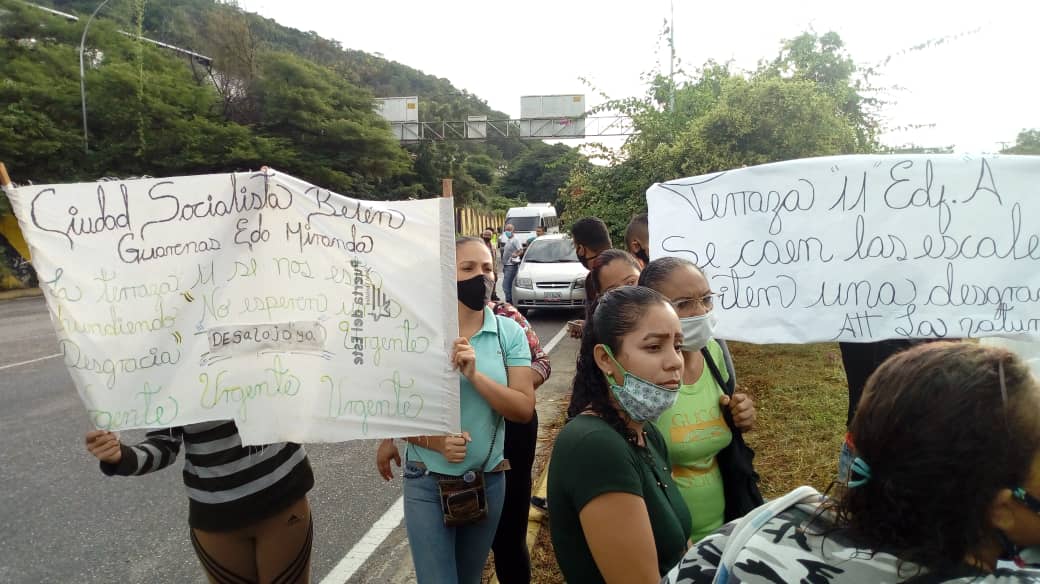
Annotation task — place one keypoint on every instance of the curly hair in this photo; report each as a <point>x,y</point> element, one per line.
<point>615,314</point>
<point>942,433</point>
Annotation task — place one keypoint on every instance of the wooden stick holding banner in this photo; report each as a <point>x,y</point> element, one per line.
<point>5,179</point>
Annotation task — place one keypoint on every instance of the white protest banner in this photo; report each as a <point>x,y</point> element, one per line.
<point>301,314</point>
<point>862,248</point>
<point>1028,351</point>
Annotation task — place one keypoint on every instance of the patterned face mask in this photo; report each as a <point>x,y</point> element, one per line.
<point>642,400</point>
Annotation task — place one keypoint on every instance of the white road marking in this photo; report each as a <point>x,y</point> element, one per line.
<point>20,363</point>
<point>367,545</point>
<point>555,340</point>
<point>385,525</point>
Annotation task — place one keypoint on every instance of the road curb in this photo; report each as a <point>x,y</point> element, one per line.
<point>22,293</point>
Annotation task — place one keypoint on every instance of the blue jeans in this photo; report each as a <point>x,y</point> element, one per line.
<point>447,555</point>
<point>508,276</point>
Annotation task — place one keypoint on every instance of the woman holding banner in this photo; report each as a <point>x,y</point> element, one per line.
<point>454,485</point>
<point>512,560</point>
<point>710,462</point>
<point>247,506</point>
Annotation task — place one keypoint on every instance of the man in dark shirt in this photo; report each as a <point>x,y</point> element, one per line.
<point>591,238</point>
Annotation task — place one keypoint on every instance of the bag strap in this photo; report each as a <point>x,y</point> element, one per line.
<point>498,424</point>
<point>727,385</point>
<point>751,523</point>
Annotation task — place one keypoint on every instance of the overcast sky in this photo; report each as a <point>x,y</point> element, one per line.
<point>978,90</point>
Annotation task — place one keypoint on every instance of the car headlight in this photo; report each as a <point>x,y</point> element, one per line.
<point>580,282</point>
<point>524,283</point>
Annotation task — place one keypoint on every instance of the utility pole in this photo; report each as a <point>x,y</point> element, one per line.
<point>671,63</point>
<point>82,82</point>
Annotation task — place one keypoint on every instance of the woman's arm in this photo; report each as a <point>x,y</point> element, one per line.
<point>158,451</point>
<point>617,529</point>
<point>539,359</point>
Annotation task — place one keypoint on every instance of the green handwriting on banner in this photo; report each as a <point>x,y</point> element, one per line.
<point>149,409</point>
<point>344,402</point>
<point>251,296</point>
<point>274,382</point>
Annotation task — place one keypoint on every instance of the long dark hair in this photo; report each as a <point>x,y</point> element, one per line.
<point>615,314</point>
<point>942,434</point>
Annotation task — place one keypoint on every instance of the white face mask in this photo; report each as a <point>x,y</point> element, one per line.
<point>696,330</point>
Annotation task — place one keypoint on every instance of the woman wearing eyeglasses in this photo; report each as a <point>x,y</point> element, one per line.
<point>705,418</point>
<point>944,485</point>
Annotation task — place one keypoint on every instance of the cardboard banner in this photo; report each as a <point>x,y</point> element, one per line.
<point>301,314</point>
<point>862,248</point>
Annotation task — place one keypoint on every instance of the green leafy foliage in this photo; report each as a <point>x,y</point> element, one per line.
<point>1028,142</point>
<point>249,53</point>
<point>274,96</point>
<point>802,104</point>
<point>539,173</point>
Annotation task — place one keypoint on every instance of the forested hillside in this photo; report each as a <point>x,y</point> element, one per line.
<point>274,95</point>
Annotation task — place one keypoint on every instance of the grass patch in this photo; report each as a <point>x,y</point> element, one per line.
<point>801,397</point>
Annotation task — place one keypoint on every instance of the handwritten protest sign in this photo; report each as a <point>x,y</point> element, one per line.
<point>862,248</point>
<point>302,314</point>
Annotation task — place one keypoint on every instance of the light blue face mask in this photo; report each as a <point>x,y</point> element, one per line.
<point>642,400</point>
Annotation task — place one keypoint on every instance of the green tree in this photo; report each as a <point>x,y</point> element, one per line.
<point>332,135</point>
<point>1028,142</point>
<point>823,61</point>
<point>802,104</point>
<point>539,173</point>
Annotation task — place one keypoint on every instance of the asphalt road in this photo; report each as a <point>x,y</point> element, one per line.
<point>63,521</point>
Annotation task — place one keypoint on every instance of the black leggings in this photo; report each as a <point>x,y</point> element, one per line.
<point>512,562</point>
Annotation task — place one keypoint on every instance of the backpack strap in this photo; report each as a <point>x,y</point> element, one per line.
<point>727,385</point>
<point>505,365</point>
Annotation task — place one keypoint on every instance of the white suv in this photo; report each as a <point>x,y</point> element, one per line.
<point>550,275</point>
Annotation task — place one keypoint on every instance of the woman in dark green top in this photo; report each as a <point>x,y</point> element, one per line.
<point>617,516</point>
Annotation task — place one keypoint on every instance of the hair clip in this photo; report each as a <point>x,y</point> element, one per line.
<point>860,467</point>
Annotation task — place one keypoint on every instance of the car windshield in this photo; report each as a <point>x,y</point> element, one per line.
<point>545,251</point>
<point>523,223</point>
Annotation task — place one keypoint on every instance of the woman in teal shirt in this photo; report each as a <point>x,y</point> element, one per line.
<point>694,428</point>
<point>494,363</point>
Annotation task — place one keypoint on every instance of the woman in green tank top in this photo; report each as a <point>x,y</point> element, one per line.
<point>695,428</point>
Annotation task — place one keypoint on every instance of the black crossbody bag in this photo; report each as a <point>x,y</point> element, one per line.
<point>464,499</point>
<point>739,479</point>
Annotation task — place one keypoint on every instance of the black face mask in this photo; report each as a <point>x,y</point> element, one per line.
<point>585,261</point>
<point>486,239</point>
<point>475,292</point>
<point>643,257</point>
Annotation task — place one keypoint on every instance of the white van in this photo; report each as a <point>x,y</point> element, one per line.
<point>526,219</point>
